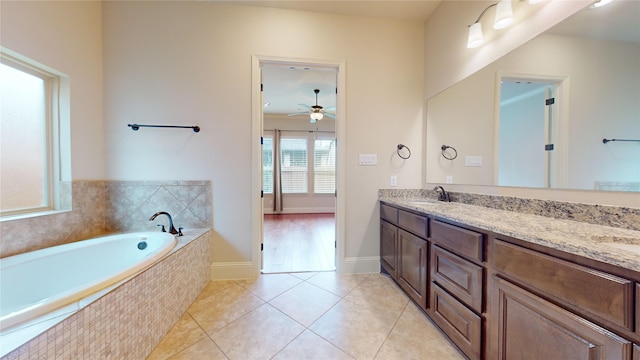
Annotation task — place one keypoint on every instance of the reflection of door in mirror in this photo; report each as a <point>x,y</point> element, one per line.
<point>529,133</point>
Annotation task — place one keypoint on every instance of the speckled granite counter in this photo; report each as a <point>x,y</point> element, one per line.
<point>583,239</point>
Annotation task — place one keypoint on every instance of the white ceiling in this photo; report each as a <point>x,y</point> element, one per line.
<point>287,87</point>
<point>397,9</point>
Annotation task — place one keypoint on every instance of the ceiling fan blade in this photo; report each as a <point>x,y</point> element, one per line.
<point>331,108</point>
<point>330,115</point>
<point>299,113</point>
<point>305,106</point>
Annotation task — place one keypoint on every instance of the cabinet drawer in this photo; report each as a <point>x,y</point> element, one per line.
<point>413,223</point>
<point>463,242</point>
<point>389,213</point>
<point>462,325</point>
<point>601,296</point>
<point>460,277</point>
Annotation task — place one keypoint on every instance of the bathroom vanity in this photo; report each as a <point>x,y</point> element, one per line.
<point>508,285</point>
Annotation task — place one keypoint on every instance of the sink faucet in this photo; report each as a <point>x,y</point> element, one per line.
<point>172,229</point>
<point>442,194</point>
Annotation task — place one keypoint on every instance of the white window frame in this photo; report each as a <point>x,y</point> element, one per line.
<point>58,136</point>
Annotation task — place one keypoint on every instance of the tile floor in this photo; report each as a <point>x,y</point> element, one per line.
<point>304,316</point>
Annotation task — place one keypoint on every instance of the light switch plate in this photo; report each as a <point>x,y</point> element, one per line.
<point>368,159</point>
<point>394,180</point>
<point>473,161</point>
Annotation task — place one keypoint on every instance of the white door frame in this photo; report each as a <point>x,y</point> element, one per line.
<point>256,151</point>
<point>561,117</point>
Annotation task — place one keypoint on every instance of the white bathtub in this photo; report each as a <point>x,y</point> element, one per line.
<point>38,282</point>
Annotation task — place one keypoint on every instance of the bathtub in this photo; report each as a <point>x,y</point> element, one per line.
<point>38,282</point>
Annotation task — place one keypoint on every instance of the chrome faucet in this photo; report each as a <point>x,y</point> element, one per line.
<point>172,229</point>
<point>442,194</point>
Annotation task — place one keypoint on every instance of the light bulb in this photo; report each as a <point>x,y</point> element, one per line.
<point>504,15</point>
<point>475,38</point>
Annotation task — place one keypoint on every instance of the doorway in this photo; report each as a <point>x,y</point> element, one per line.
<point>531,132</point>
<point>299,212</point>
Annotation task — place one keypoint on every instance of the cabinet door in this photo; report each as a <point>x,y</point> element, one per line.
<point>636,352</point>
<point>389,248</point>
<point>529,327</point>
<point>412,266</point>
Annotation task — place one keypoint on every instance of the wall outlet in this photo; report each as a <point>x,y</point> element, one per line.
<point>449,179</point>
<point>394,180</point>
<point>473,161</point>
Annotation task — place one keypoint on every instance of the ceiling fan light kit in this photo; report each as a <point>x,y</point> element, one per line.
<point>316,112</point>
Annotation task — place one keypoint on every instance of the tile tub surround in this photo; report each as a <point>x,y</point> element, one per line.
<point>613,216</point>
<point>103,207</point>
<point>578,238</point>
<point>129,322</point>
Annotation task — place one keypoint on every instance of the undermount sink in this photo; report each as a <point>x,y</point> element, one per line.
<point>626,247</point>
<point>422,202</point>
<point>630,244</point>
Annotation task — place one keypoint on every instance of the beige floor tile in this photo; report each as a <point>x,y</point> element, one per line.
<point>339,284</point>
<point>304,275</point>
<point>269,286</point>
<point>184,333</point>
<point>305,303</point>
<point>223,306</point>
<point>204,349</point>
<point>379,293</point>
<point>405,343</point>
<point>357,330</point>
<point>258,335</point>
<point>309,346</point>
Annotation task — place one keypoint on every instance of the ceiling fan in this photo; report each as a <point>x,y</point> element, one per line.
<point>316,112</point>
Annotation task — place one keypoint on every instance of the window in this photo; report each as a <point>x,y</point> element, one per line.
<point>324,166</point>
<point>32,156</point>
<point>293,161</point>
<point>267,165</point>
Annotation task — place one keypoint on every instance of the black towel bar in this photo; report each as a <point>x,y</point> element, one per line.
<point>136,127</point>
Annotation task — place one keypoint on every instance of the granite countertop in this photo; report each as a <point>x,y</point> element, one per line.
<point>602,243</point>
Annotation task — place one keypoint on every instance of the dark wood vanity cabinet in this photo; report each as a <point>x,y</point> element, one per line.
<point>457,285</point>
<point>543,307</point>
<point>403,250</point>
<point>528,327</point>
<point>503,298</point>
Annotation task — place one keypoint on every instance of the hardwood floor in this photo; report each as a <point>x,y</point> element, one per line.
<point>299,242</point>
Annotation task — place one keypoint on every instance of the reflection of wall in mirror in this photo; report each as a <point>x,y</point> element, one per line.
<point>599,72</point>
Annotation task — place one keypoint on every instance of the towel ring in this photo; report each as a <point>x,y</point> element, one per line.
<point>400,147</point>
<point>444,148</point>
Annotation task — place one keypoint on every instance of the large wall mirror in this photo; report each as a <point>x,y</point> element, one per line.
<point>537,117</point>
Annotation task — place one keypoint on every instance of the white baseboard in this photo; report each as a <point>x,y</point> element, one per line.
<point>233,270</point>
<point>313,210</point>
<point>361,265</point>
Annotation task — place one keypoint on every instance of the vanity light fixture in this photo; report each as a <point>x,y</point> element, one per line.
<point>599,4</point>
<point>503,18</point>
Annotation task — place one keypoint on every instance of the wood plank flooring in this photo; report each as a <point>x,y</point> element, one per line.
<point>299,242</point>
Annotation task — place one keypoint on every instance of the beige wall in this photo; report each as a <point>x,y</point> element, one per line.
<point>447,61</point>
<point>614,87</point>
<point>67,36</point>
<point>190,62</point>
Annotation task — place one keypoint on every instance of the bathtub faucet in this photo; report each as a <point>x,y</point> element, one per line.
<point>172,229</point>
